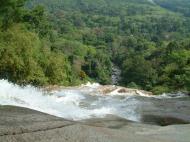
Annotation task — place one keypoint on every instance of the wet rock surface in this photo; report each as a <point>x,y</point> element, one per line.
<point>164,111</point>
<point>25,125</point>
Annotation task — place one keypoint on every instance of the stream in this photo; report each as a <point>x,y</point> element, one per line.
<point>84,102</point>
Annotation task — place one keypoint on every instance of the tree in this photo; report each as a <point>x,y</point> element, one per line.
<point>12,11</point>
<point>139,71</point>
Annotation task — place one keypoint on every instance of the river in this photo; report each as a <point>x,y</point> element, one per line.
<point>84,102</point>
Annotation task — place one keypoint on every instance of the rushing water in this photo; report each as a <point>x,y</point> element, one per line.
<point>116,75</point>
<point>78,103</point>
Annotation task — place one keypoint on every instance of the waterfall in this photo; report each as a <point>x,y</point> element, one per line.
<point>116,75</point>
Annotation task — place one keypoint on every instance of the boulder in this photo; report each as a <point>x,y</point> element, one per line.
<point>25,125</point>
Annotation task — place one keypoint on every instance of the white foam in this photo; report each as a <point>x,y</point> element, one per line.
<point>171,95</point>
<point>63,104</point>
<point>91,85</point>
<point>73,103</point>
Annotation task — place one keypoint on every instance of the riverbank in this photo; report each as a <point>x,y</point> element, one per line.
<point>25,125</point>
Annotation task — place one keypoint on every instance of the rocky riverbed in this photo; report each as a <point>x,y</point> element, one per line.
<point>24,125</point>
<point>91,113</point>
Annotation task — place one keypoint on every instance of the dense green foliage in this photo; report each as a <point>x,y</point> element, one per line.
<point>24,56</point>
<point>71,41</point>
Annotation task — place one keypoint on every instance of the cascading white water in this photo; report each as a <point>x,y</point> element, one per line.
<point>75,103</point>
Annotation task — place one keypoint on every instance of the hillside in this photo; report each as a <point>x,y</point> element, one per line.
<point>74,41</point>
<point>181,6</point>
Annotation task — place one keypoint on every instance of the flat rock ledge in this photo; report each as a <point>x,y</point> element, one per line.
<point>25,125</point>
